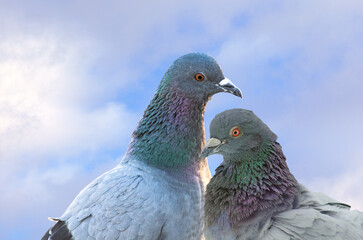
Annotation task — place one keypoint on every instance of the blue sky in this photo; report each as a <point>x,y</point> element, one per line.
<point>75,78</point>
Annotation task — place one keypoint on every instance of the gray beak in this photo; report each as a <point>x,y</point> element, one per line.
<point>227,86</point>
<point>211,147</point>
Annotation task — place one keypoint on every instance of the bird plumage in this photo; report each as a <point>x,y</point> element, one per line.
<point>136,201</point>
<point>253,195</point>
<point>316,217</point>
<point>156,191</point>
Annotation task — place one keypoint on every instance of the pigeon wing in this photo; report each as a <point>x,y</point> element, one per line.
<point>119,204</point>
<point>317,217</point>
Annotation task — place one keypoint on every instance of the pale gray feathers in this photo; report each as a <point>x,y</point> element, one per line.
<point>317,217</point>
<point>135,201</point>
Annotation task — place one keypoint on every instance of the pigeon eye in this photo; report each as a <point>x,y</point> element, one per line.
<point>199,77</point>
<point>235,132</point>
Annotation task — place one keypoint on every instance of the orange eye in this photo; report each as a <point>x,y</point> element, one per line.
<point>235,132</point>
<point>199,77</point>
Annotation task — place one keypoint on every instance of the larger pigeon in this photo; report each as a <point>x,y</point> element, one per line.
<point>156,192</point>
<point>253,195</point>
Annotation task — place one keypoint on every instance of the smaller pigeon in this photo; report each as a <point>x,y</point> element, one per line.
<point>253,195</point>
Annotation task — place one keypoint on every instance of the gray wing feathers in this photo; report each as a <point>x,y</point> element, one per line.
<point>318,217</point>
<point>316,199</point>
<point>117,205</point>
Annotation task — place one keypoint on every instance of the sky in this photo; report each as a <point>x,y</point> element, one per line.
<point>76,76</point>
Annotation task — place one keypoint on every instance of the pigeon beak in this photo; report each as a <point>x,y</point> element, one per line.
<point>227,86</point>
<point>211,147</point>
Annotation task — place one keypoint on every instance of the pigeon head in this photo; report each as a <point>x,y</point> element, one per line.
<point>197,76</point>
<point>171,131</point>
<point>236,131</point>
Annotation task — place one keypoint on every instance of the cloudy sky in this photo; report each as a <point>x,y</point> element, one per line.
<point>76,76</point>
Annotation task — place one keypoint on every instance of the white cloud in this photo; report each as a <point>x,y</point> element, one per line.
<point>345,187</point>
<point>44,91</point>
<point>48,119</point>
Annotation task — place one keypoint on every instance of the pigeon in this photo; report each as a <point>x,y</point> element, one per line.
<point>254,196</point>
<point>157,190</point>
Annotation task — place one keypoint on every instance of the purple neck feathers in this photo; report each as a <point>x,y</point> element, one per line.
<point>171,133</point>
<point>270,189</point>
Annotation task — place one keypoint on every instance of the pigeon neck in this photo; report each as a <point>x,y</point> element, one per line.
<point>170,134</point>
<point>259,183</point>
